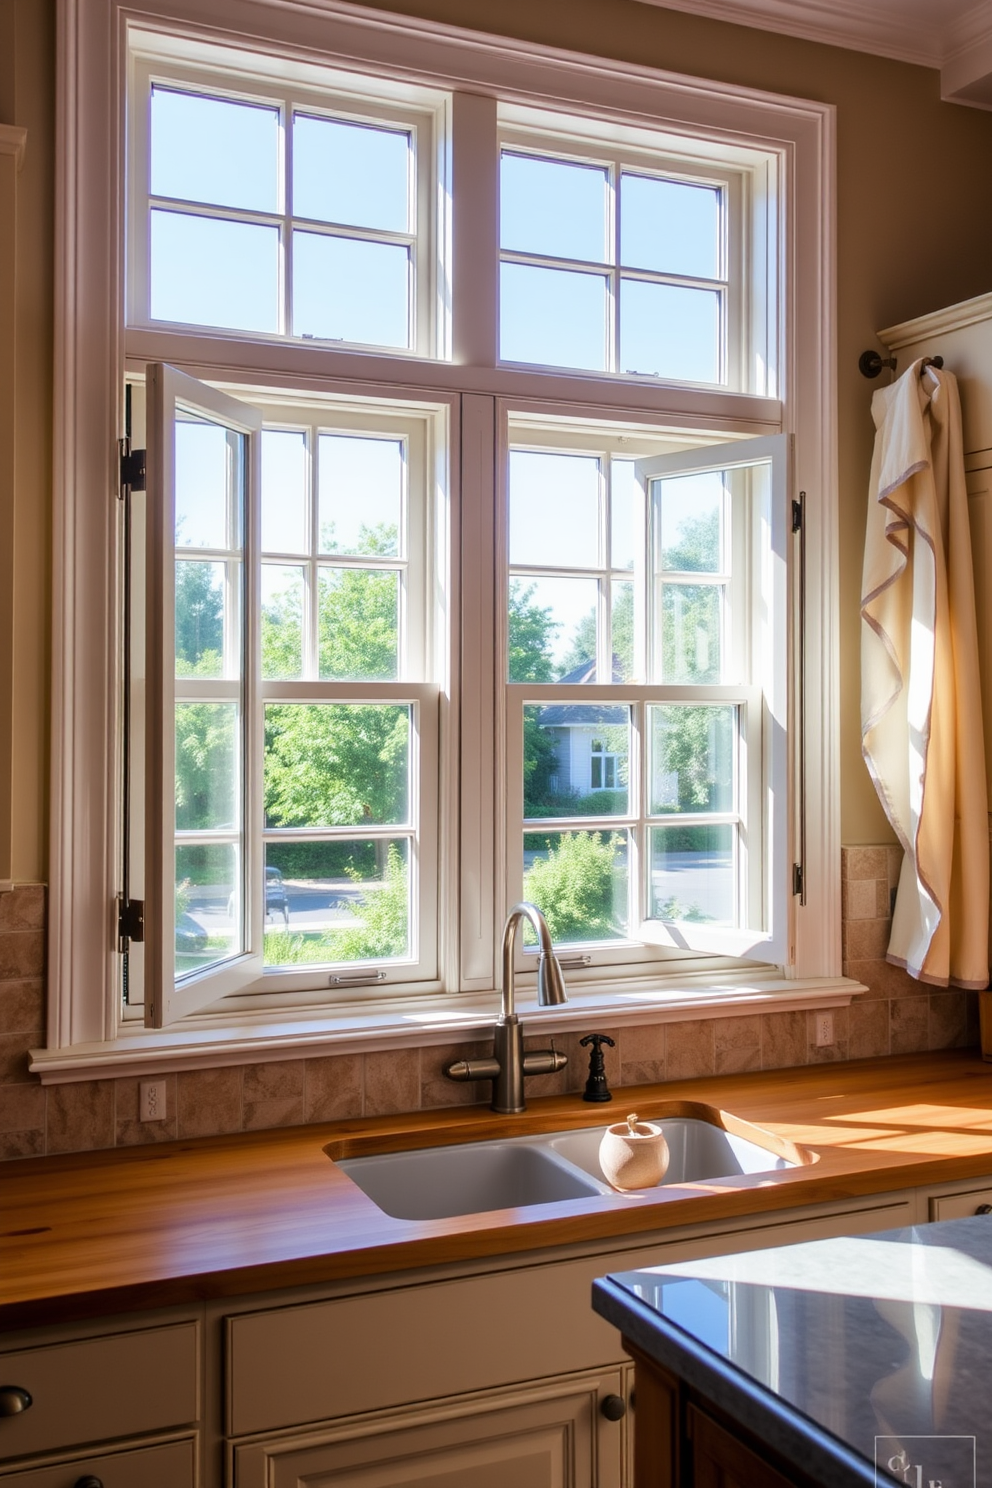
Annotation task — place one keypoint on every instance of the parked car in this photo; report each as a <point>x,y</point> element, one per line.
<point>191,938</point>
<point>276,898</point>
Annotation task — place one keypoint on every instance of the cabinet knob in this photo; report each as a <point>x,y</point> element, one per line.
<point>89,1481</point>
<point>13,1400</point>
<point>984,1209</point>
<point>614,1407</point>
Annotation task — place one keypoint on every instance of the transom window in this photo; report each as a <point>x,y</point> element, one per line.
<point>613,265</point>
<point>283,214</point>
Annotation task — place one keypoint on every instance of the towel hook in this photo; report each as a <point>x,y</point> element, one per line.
<point>870,363</point>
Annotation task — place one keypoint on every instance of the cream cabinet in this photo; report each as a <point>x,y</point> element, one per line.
<point>117,1406</point>
<point>505,1376</point>
<point>541,1435</point>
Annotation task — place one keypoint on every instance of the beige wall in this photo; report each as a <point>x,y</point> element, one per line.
<point>27,99</point>
<point>915,213</point>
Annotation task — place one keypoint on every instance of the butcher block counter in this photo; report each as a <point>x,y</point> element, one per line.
<point>184,1222</point>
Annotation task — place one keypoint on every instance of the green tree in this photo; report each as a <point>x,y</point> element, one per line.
<point>199,618</point>
<point>532,630</point>
<point>578,885</point>
<point>336,764</point>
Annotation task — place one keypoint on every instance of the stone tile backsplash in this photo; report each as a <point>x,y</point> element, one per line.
<point>895,1016</point>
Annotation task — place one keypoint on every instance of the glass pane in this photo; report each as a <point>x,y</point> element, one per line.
<point>200,618</point>
<point>554,509</point>
<point>669,226</point>
<point>576,760</point>
<point>208,460</point>
<point>339,901</point>
<point>689,522</point>
<point>690,632</point>
<point>284,491</point>
<point>210,272</point>
<point>208,775</point>
<point>209,918</point>
<point>669,331</point>
<point>282,621</point>
<point>694,874</point>
<point>552,317</point>
<point>579,882</point>
<point>360,495</point>
<point>357,174</point>
<point>337,764</point>
<point>214,150</point>
<point>626,531</point>
<point>348,290</point>
<point>358,624</point>
<point>552,207</point>
<point>623,632</point>
<point>693,757</point>
<point>552,630</point>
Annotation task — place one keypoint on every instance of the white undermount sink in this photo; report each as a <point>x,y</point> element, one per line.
<point>517,1172</point>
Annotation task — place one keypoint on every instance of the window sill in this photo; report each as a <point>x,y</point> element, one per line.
<point>442,1020</point>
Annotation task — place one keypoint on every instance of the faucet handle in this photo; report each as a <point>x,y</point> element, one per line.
<point>596,1086</point>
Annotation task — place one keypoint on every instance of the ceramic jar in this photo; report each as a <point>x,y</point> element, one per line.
<point>633,1154</point>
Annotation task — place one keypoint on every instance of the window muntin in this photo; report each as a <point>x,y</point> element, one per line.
<point>264,212</point>
<point>617,265</point>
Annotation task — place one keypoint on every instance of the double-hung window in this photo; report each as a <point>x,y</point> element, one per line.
<point>479,383</point>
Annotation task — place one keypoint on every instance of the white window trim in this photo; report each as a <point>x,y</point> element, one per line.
<point>90,358</point>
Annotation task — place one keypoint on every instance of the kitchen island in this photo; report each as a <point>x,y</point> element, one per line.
<point>848,1361</point>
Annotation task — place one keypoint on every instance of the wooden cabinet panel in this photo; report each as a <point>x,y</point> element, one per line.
<point>168,1465</point>
<point>549,1435</point>
<point>97,1389</point>
<point>720,1460</point>
<point>960,1205</point>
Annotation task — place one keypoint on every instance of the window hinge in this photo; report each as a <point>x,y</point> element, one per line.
<point>132,473</point>
<point>797,512</point>
<point>130,920</point>
<point>798,881</point>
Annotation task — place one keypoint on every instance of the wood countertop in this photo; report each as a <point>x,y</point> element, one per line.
<point>127,1230</point>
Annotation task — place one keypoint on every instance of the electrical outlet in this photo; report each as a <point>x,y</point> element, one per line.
<point>824,1029</point>
<point>151,1100</point>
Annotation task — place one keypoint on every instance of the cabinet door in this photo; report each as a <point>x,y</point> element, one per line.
<point>720,1460</point>
<point>552,1434</point>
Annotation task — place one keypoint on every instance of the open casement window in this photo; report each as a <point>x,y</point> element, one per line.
<point>202,768</point>
<point>715,755</point>
<point>292,755</point>
<point>647,754</point>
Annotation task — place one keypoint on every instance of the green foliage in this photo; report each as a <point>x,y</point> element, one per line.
<point>382,934</point>
<point>199,617</point>
<point>673,909</point>
<point>692,745</point>
<point>697,549</point>
<point>531,636</point>
<point>577,884</point>
<point>206,767</point>
<point>335,764</point>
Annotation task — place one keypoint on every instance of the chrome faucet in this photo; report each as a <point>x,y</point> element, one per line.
<point>509,1064</point>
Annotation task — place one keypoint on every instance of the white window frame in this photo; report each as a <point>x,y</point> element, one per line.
<point>344,97</point>
<point>637,158</point>
<point>793,209</point>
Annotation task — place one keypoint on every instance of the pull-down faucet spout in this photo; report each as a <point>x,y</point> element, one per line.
<point>509,1064</point>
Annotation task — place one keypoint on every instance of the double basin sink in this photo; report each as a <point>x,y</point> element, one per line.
<point>549,1167</point>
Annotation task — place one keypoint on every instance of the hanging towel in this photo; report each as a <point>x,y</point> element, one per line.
<point>921,719</point>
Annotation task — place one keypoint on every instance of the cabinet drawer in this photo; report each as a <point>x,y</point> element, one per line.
<point>94,1389</point>
<point>960,1205</point>
<point>171,1465</point>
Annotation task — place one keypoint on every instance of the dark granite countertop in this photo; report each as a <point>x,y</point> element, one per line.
<point>845,1355</point>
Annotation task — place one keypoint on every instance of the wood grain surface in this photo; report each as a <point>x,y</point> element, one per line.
<point>96,1233</point>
